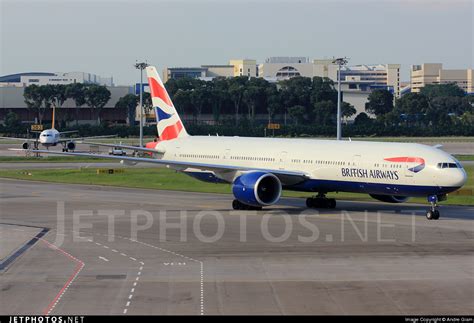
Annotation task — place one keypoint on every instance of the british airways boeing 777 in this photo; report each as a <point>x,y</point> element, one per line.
<point>260,168</point>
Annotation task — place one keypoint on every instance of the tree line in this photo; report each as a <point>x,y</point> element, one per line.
<point>439,106</point>
<point>38,98</point>
<point>308,103</point>
<point>303,100</point>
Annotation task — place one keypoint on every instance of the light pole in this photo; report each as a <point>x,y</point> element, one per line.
<point>340,62</point>
<point>141,66</point>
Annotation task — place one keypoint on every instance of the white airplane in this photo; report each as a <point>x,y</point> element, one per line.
<point>260,168</point>
<point>52,137</point>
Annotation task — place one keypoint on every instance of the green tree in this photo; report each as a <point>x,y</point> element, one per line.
<point>236,93</point>
<point>12,122</point>
<point>442,90</point>
<point>362,119</point>
<point>379,102</point>
<point>297,113</point>
<point>200,97</point>
<point>411,103</point>
<point>219,92</point>
<point>347,110</point>
<point>96,97</point>
<point>325,112</point>
<point>182,101</point>
<point>296,91</point>
<point>128,102</point>
<point>253,95</point>
<point>34,101</point>
<point>323,90</point>
<point>76,92</point>
<point>273,101</point>
<point>58,97</point>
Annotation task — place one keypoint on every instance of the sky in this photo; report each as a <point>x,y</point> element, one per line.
<point>106,37</point>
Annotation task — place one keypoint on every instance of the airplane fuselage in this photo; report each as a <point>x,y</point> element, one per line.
<point>402,169</point>
<point>49,137</point>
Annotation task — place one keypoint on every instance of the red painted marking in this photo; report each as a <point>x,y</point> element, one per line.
<point>152,145</point>
<point>406,160</point>
<point>171,132</point>
<point>157,91</point>
<point>79,267</point>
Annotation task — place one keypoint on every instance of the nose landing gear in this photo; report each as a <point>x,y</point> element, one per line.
<point>433,213</point>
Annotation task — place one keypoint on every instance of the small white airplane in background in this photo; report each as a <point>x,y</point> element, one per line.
<point>52,137</point>
<point>260,168</point>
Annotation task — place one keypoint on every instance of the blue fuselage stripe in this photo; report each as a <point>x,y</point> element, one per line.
<point>319,185</point>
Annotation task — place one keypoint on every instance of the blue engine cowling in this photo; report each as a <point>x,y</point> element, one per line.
<point>257,189</point>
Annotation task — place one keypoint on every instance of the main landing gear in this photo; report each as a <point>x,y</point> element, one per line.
<point>320,202</point>
<point>237,205</point>
<point>433,213</point>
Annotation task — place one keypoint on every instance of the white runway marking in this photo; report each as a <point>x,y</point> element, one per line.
<point>201,266</point>
<point>142,264</point>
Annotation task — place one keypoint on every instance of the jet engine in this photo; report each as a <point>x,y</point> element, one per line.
<point>257,189</point>
<point>390,198</point>
<point>26,145</point>
<point>71,145</point>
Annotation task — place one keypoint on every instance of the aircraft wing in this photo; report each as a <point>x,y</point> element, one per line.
<point>65,132</point>
<point>21,139</point>
<point>135,148</point>
<point>84,138</point>
<point>287,177</point>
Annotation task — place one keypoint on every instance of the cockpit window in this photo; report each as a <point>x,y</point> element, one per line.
<point>448,165</point>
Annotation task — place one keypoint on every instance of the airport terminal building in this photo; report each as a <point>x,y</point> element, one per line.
<point>357,82</point>
<point>12,99</point>
<point>434,73</point>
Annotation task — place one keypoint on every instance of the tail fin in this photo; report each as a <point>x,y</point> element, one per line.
<point>54,115</point>
<point>168,123</point>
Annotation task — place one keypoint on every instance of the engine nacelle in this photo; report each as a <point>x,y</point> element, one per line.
<point>26,145</point>
<point>257,189</point>
<point>390,198</point>
<point>128,162</point>
<point>71,145</point>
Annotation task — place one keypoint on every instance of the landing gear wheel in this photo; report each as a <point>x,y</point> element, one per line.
<point>237,205</point>
<point>430,215</point>
<point>433,213</point>
<point>331,203</point>
<point>309,202</point>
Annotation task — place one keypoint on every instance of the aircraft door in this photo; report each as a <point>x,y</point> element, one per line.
<point>226,155</point>
<point>282,159</point>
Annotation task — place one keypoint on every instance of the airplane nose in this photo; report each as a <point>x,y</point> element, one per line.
<point>460,178</point>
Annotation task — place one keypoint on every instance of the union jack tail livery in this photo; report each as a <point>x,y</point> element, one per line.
<point>168,123</point>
